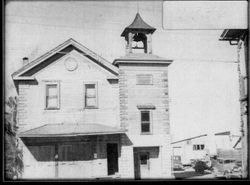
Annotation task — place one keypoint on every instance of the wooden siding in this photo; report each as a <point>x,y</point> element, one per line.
<point>31,105</point>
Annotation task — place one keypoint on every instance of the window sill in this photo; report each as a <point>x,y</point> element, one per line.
<point>91,108</point>
<point>146,133</point>
<point>145,84</point>
<point>52,109</point>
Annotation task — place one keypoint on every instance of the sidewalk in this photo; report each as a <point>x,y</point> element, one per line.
<point>206,176</point>
<point>191,174</point>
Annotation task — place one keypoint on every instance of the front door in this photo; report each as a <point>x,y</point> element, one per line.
<point>141,162</point>
<point>112,157</point>
<point>144,165</point>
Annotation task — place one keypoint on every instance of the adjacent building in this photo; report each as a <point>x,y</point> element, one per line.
<point>80,116</point>
<point>239,37</point>
<point>198,147</point>
<point>190,149</point>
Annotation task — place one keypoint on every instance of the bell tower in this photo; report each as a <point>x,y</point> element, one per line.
<point>138,36</point>
<point>143,98</point>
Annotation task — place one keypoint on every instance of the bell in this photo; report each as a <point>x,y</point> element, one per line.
<point>139,37</point>
<point>137,47</point>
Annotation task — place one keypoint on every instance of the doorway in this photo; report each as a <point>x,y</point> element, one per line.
<point>141,161</point>
<point>147,162</point>
<point>144,164</point>
<point>112,158</point>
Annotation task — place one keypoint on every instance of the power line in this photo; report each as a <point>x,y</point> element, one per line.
<point>64,26</point>
<point>112,6</point>
<point>64,18</point>
<point>203,60</point>
<point>183,32</point>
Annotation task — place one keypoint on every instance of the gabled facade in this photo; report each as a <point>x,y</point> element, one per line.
<point>80,116</point>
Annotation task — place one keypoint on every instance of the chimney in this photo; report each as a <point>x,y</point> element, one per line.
<point>25,61</point>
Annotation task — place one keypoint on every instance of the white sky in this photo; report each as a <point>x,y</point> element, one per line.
<point>203,78</point>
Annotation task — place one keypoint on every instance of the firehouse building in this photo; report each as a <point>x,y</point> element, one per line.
<point>83,117</point>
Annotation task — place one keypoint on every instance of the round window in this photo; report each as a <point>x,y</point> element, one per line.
<point>70,64</point>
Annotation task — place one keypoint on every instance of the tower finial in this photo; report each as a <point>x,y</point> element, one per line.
<point>137,6</point>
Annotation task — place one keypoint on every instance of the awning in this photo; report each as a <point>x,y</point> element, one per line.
<point>64,130</point>
<point>233,34</point>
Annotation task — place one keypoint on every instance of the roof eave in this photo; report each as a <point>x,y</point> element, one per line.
<point>50,53</point>
<point>142,61</point>
<point>189,139</point>
<point>23,78</point>
<point>42,58</point>
<point>70,135</point>
<point>225,36</point>
<point>126,30</point>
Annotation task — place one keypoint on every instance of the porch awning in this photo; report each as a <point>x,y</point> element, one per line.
<point>64,130</point>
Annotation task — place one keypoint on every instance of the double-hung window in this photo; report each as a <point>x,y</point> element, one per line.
<point>145,122</point>
<point>91,100</point>
<point>52,95</point>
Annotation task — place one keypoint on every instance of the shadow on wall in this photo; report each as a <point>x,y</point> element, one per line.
<point>82,148</point>
<point>26,82</point>
<point>153,151</point>
<point>66,152</point>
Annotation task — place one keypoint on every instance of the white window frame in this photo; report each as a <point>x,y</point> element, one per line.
<point>54,82</point>
<point>84,93</point>
<point>150,122</point>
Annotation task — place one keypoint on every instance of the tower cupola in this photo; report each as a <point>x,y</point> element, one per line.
<point>138,36</point>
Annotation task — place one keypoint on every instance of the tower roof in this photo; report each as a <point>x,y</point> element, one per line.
<point>138,25</point>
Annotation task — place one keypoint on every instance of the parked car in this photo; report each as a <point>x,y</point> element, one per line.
<point>177,163</point>
<point>227,168</point>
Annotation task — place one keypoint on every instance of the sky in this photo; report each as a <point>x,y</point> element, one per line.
<point>203,79</point>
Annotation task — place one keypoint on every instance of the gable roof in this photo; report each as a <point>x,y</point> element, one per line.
<point>23,73</point>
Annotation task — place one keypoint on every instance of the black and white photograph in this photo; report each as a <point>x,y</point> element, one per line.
<point>121,90</point>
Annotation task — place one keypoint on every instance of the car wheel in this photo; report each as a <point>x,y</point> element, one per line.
<point>227,175</point>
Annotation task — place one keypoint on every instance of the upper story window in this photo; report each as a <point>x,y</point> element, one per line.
<point>52,95</point>
<point>144,79</point>
<point>91,100</point>
<point>145,122</point>
<point>198,147</point>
